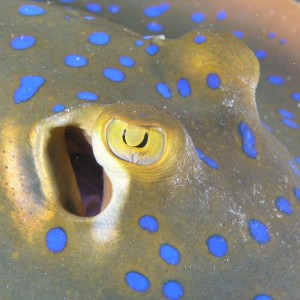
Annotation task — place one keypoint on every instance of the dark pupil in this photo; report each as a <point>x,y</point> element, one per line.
<point>140,145</point>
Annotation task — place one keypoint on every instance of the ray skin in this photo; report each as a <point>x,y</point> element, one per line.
<point>216,215</point>
<point>269,27</point>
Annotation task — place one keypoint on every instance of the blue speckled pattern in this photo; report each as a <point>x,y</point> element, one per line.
<point>224,222</point>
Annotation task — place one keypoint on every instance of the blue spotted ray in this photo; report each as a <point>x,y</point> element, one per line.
<point>138,167</point>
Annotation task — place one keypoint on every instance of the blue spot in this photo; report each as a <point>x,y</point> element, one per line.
<point>114,9</point>
<point>297,160</point>
<point>199,39</point>
<point>183,87</point>
<point>154,27</point>
<point>248,140</point>
<point>209,161</point>
<point>289,123</point>
<point>283,205</point>
<point>93,7</point>
<point>66,1</point>
<point>137,282</point>
<point>294,168</point>
<point>87,96</point>
<point>156,11</point>
<point>262,297</point>
<point>282,41</point>
<point>261,54</point>
<point>152,49</point>
<point>258,231</point>
<point>173,290</point>
<point>163,89</point>
<point>169,254</point>
<point>297,193</point>
<point>148,223</point>
<point>267,127</point>
<point>99,38</point>
<point>29,85</point>
<point>139,43</point>
<point>147,37</point>
<point>238,34</point>
<point>272,35</point>
<point>75,61</point>
<point>22,42</point>
<point>295,96</point>
<point>58,108</point>
<point>114,74</point>
<point>126,61</point>
<point>217,246</point>
<point>286,113</point>
<point>198,17</point>
<point>89,18</point>
<point>213,81</point>
<point>221,15</point>
<point>275,80</point>
<point>31,10</point>
<point>56,239</point>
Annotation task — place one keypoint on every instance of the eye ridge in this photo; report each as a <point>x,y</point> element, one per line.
<point>140,145</point>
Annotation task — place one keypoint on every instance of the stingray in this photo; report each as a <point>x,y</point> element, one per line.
<point>149,150</point>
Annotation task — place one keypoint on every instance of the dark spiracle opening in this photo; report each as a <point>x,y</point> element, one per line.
<point>77,180</point>
<point>88,173</point>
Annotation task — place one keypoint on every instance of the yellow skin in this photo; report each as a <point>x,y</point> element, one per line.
<point>154,161</point>
<point>104,131</point>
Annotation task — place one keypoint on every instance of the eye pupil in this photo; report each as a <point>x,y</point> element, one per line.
<point>140,145</point>
<point>144,141</point>
<point>123,136</point>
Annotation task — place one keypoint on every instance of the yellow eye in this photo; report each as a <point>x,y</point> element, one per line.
<point>137,144</point>
<point>138,141</point>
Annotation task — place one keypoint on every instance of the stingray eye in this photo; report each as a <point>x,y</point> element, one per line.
<point>137,144</point>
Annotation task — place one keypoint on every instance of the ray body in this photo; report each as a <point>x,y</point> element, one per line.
<point>199,199</point>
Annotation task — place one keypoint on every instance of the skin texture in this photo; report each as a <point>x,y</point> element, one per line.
<point>193,196</point>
